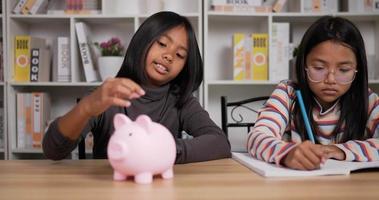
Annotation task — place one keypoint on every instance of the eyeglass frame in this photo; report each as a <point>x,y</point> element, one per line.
<point>326,76</point>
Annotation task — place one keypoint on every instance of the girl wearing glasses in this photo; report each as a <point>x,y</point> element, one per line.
<point>331,73</point>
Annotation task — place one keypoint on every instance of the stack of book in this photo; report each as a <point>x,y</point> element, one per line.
<point>32,59</point>
<point>250,56</point>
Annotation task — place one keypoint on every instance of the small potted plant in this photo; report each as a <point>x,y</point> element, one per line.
<point>111,57</point>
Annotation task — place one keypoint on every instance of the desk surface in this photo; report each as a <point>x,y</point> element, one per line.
<point>219,179</point>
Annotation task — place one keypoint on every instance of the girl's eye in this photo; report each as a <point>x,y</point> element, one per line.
<point>180,55</point>
<point>344,70</point>
<point>318,68</point>
<point>161,44</point>
<point>130,134</point>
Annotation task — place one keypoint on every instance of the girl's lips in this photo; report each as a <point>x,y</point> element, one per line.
<point>160,68</point>
<point>329,91</point>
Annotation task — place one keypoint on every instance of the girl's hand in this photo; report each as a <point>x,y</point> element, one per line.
<point>113,92</point>
<point>306,156</point>
<point>331,151</point>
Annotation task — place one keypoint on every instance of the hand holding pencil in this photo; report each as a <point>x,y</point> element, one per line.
<point>308,155</point>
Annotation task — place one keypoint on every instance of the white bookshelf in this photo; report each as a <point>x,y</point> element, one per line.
<point>63,95</point>
<point>218,52</point>
<point>214,33</point>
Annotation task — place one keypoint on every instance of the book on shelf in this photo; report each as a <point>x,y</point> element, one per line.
<point>61,66</point>
<point>239,61</point>
<point>330,6</point>
<point>279,58</point>
<point>259,56</point>
<point>240,6</point>
<point>27,6</point>
<point>39,7</point>
<point>40,65</point>
<point>82,7</point>
<point>18,7</point>
<point>33,113</point>
<point>278,6</point>
<point>89,67</point>
<point>22,55</point>
<point>330,167</point>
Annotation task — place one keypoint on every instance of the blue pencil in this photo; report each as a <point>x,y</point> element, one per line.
<point>305,116</point>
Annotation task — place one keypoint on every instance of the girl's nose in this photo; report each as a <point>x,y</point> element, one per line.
<point>330,77</point>
<point>167,57</point>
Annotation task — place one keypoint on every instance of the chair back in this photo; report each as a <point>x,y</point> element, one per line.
<point>82,144</point>
<point>232,112</point>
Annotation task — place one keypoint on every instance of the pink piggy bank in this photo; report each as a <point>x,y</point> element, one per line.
<point>141,148</point>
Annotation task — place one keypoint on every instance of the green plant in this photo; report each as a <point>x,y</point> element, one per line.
<point>112,47</point>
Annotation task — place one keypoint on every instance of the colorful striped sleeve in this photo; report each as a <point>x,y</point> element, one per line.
<point>367,150</point>
<point>265,140</point>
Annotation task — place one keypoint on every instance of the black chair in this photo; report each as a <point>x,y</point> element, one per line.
<point>82,149</point>
<point>228,119</point>
<point>82,143</point>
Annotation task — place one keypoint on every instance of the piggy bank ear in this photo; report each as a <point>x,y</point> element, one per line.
<point>120,119</point>
<point>144,121</point>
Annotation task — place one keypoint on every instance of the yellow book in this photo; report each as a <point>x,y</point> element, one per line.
<point>22,61</point>
<point>260,56</point>
<point>239,56</point>
<point>22,46</point>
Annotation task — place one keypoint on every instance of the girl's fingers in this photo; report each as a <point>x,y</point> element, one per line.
<point>120,102</point>
<point>119,91</point>
<point>133,86</point>
<point>303,158</point>
<point>298,165</point>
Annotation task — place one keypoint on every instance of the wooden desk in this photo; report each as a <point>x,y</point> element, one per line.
<point>220,179</point>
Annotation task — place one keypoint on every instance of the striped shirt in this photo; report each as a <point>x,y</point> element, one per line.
<point>274,134</point>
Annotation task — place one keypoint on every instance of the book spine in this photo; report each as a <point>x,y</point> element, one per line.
<point>37,6</point>
<point>37,102</point>
<point>278,6</point>
<point>63,64</point>
<point>21,125</point>
<point>238,56</point>
<point>18,8</point>
<point>259,57</point>
<point>34,65</point>
<point>88,64</point>
<point>28,5</point>
<point>279,58</point>
<point>28,119</point>
<point>22,58</point>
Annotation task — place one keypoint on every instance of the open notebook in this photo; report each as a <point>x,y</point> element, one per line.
<point>331,167</point>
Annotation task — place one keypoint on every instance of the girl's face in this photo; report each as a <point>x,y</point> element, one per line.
<point>331,68</point>
<point>167,56</point>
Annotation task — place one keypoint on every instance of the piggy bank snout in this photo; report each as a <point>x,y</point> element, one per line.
<point>117,150</point>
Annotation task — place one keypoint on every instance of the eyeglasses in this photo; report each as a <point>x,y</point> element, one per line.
<point>341,75</point>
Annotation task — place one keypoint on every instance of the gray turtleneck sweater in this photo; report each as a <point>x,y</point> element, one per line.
<point>208,142</point>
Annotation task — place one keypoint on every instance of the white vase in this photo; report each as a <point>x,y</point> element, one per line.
<point>109,66</point>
